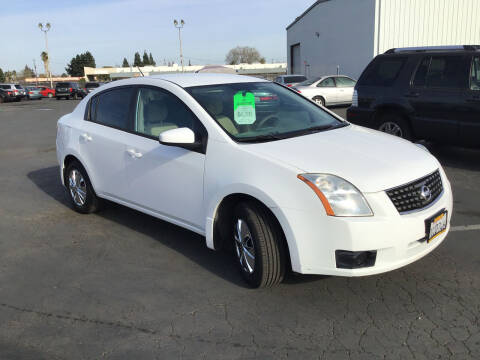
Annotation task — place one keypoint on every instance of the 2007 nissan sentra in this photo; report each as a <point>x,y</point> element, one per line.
<point>254,166</point>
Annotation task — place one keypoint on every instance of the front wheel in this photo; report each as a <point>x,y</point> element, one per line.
<point>259,245</point>
<point>79,189</point>
<point>319,100</point>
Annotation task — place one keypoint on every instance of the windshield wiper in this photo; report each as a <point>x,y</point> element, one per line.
<point>261,138</point>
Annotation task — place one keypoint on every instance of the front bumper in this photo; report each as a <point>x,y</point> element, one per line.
<point>397,239</point>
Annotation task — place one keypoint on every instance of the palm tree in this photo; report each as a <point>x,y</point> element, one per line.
<point>44,57</point>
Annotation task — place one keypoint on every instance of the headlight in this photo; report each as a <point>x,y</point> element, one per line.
<point>338,196</point>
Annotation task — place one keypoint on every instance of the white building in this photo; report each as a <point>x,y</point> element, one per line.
<point>349,33</point>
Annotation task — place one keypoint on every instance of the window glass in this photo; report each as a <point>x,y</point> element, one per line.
<point>113,107</point>
<point>294,79</point>
<point>344,82</point>
<point>475,74</point>
<point>262,111</point>
<point>93,108</point>
<point>383,71</point>
<point>446,72</point>
<point>328,82</point>
<point>309,82</point>
<point>421,74</point>
<point>158,111</point>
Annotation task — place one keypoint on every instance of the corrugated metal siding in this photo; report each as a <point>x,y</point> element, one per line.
<point>404,23</point>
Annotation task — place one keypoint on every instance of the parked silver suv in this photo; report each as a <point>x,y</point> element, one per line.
<point>17,90</point>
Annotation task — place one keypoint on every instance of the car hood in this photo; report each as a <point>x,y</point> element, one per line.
<point>370,160</point>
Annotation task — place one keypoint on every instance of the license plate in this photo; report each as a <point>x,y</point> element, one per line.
<point>436,225</point>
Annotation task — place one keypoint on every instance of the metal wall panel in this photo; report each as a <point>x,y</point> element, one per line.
<point>405,23</point>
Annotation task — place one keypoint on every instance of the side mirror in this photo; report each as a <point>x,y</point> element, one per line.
<point>181,137</point>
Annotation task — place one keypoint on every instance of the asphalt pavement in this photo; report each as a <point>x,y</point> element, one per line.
<point>123,285</point>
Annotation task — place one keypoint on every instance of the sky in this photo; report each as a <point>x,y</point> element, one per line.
<point>114,29</point>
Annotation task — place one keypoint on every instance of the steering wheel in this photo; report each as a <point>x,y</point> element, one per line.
<point>265,119</point>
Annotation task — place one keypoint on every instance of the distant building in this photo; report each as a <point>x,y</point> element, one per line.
<point>267,71</point>
<point>347,34</point>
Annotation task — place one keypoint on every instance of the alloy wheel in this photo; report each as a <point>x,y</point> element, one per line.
<point>391,128</point>
<point>244,246</point>
<point>77,187</point>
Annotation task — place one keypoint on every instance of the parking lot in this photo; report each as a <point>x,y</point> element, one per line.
<point>123,285</point>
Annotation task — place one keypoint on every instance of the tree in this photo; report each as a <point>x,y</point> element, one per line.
<point>44,57</point>
<point>146,60</point>
<point>137,61</point>
<point>151,61</point>
<point>243,55</point>
<point>125,63</point>
<point>76,65</point>
<point>28,72</point>
<point>2,76</point>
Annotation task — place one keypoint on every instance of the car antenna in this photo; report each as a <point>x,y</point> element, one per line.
<point>138,67</point>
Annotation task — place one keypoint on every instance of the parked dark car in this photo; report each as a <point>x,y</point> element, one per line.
<point>6,96</point>
<point>69,90</point>
<point>430,93</point>
<point>90,86</point>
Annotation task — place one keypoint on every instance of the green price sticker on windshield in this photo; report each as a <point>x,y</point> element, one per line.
<point>244,108</point>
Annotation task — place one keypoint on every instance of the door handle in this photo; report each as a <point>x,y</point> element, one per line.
<point>86,137</point>
<point>134,154</point>
<point>412,94</point>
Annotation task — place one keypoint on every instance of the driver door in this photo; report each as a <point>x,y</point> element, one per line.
<point>328,90</point>
<point>166,181</point>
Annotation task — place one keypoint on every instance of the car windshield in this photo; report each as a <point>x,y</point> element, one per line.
<point>63,84</point>
<point>263,111</point>
<point>309,82</point>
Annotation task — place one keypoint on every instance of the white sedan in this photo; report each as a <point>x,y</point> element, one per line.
<point>328,90</point>
<point>257,168</point>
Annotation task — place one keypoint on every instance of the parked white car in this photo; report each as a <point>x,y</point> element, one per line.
<point>252,165</point>
<point>328,90</point>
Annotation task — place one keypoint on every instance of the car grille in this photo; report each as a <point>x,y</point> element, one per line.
<point>409,197</point>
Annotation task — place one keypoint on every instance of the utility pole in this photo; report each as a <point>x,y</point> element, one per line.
<point>179,27</point>
<point>45,29</point>
<point>36,74</point>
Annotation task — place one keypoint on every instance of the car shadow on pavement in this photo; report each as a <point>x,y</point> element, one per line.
<point>183,241</point>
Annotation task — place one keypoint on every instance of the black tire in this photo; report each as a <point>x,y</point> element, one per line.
<point>399,125</point>
<point>91,203</point>
<point>1,100</point>
<point>319,100</point>
<point>58,97</point>
<point>267,242</point>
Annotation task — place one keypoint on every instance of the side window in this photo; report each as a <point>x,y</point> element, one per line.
<point>446,72</point>
<point>344,82</point>
<point>158,111</point>
<point>112,108</point>
<point>92,109</point>
<point>475,74</point>
<point>328,82</point>
<point>383,71</point>
<point>421,75</point>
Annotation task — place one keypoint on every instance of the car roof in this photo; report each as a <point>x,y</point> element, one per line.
<point>198,79</point>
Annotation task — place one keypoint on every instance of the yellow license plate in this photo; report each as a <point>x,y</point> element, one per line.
<point>436,225</point>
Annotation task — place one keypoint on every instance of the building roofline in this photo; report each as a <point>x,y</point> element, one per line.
<point>298,18</point>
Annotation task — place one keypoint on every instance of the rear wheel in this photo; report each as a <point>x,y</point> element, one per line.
<point>395,124</point>
<point>319,100</point>
<point>259,245</point>
<point>58,97</point>
<point>50,95</point>
<point>79,189</point>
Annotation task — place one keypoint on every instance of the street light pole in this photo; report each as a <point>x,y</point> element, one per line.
<point>45,29</point>
<point>179,26</point>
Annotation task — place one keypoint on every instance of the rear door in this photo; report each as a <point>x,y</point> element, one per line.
<point>470,121</point>
<point>102,139</point>
<point>437,96</point>
<point>345,87</point>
